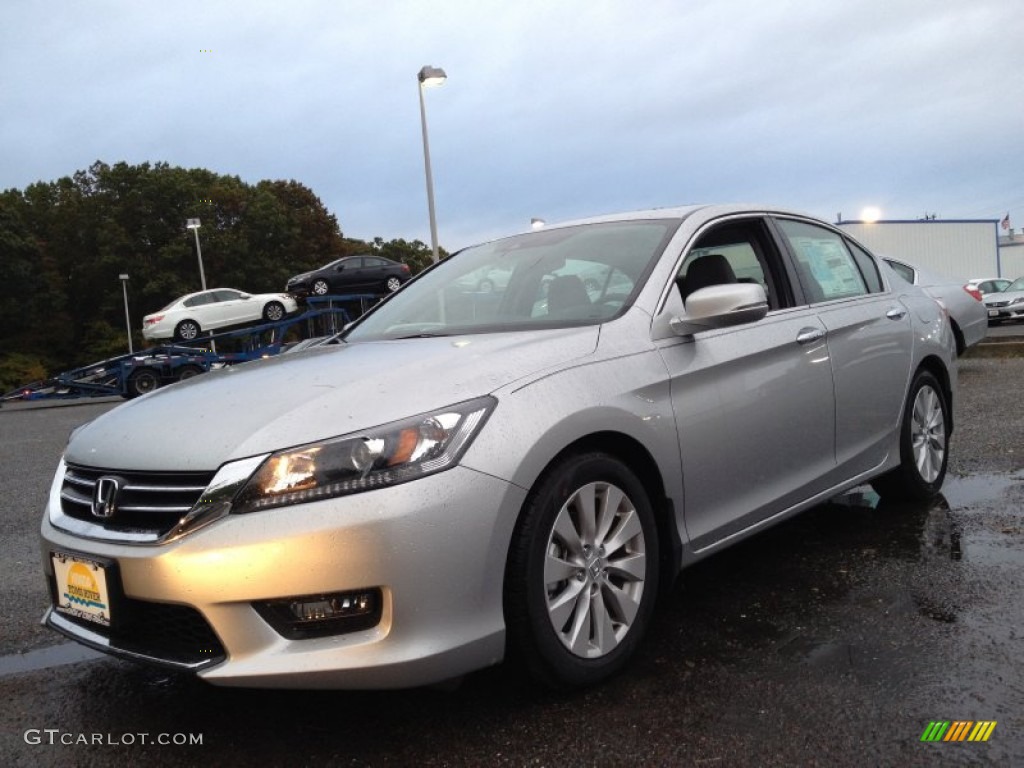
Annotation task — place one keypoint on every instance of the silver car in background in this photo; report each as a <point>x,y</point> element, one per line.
<point>463,475</point>
<point>967,312</point>
<point>1008,304</point>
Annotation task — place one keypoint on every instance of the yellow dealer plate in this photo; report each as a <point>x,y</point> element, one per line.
<point>81,588</point>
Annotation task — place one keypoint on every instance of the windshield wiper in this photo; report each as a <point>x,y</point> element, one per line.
<point>427,335</point>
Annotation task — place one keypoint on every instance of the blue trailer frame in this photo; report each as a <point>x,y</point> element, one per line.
<point>136,374</point>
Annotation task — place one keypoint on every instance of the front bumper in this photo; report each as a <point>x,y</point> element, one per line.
<point>1009,312</point>
<point>435,547</point>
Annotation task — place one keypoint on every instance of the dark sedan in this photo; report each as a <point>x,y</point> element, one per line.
<point>352,274</point>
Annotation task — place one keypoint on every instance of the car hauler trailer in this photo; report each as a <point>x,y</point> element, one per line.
<point>136,374</point>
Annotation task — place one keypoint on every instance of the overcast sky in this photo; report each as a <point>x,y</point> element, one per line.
<point>554,108</point>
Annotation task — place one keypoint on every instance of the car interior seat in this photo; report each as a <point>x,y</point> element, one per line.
<point>712,269</point>
<point>567,293</point>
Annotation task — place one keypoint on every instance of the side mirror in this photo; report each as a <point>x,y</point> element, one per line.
<point>244,296</point>
<point>721,306</point>
<point>339,268</point>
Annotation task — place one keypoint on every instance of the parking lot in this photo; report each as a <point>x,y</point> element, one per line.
<point>832,640</point>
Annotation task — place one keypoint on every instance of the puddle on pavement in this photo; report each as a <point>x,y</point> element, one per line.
<point>45,658</point>
<point>971,491</point>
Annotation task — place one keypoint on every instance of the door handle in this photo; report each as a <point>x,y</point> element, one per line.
<point>807,335</point>
<point>896,313</point>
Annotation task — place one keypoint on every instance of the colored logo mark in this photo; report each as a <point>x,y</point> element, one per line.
<point>958,730</point>
<point>82,587</point>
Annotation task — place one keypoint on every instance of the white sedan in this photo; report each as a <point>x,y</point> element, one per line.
<point>190,316</point>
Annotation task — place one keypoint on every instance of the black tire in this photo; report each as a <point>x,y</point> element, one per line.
<point>540,628</point>
<point>924,444</point>
<point>141,381</point>
<point>187,330</point>
<point>392,284</point>
<point>188,372</point>
<point>274,311</point>
<point>320,287</point>
<point>958,336</point>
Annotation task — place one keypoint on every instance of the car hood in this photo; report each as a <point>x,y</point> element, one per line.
<point>1003,297</point>
<point>267,405</point>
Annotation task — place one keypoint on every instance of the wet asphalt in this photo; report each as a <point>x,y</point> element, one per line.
<point>831,640</point>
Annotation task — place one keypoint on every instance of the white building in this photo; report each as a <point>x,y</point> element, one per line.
<point>1011,255</point>
<point>959,249</point>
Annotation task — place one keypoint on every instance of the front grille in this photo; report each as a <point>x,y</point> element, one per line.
<point>176,634</point>
<point>998,303</point>
<point>151,502</point>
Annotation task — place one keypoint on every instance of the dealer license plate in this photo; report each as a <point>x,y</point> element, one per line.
<point>81,588</point>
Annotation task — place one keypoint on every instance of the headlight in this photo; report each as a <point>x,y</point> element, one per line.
<point>388,455</point>
<point>1019,300</point>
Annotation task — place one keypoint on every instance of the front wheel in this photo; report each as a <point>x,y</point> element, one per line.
<point>320,287</point>
<point>924,444</point>
<point>582,573</point>
<point>273,312</point>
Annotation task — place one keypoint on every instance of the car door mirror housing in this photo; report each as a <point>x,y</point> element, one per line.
<point>244,296</point>
<point>721,306</point>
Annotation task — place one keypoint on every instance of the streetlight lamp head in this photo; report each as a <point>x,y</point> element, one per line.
<point>871,214</point>
<point>537,223</point>
<point>430,76</point>
<point>123,277</point>
<point>192,224</point>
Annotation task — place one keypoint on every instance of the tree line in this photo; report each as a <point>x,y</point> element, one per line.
<point>64,243</point>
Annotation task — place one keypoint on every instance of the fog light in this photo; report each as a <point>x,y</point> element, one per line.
<point>309,616</point>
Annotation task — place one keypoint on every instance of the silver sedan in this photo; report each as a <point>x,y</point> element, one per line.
<point>967,313</point>
<point>1008,304</point>
<point>465,475</point>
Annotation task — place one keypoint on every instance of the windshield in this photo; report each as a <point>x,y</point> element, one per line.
<point>546,279</point>
<point>1016,285</point>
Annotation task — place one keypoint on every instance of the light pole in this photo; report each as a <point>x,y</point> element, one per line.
<point>127,319</point>
<point>429,76</point>
<point>193,224</point>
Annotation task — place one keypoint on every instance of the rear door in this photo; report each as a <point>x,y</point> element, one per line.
<point>753,403</point>
<point>870,339</point>
<point>375,272</point>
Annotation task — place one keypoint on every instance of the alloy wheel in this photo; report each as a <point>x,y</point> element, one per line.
<point>594,570</point>
<point>928,434</point>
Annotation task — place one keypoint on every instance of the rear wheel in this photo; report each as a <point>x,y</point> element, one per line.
<point>393,284</point>
<point>142,381</point>
<point>188,371</point>
<point>582,574</point>
<point>273,312</point>
<point>924,444</point>
<point>187,330</point>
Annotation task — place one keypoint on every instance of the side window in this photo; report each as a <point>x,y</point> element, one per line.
<point>374,262</point>
<point>737,252</point>
<point>868,267</point>
<point>226,295</point>
<point>199,299</point>
<point>902,270</point>
<point>824,264</point>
